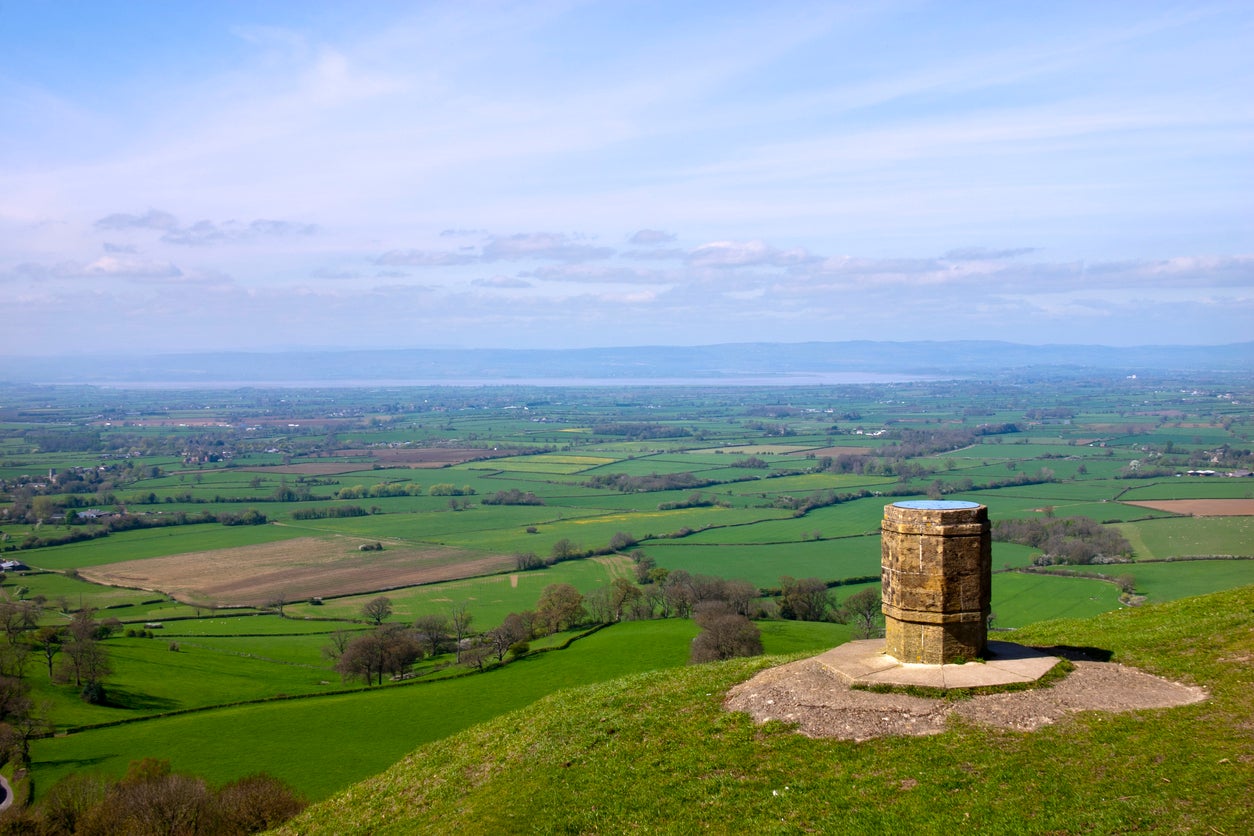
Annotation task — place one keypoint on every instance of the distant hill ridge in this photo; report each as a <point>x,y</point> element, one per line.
<point>808,362</point>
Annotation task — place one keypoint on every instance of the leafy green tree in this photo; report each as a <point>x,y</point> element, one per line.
<point>560,606</point>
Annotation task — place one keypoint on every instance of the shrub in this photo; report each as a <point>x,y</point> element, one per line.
<point>724,634</point>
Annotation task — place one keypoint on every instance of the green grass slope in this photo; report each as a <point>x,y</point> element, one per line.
<point>656,753</point>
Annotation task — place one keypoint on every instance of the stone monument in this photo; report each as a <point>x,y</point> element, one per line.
<point>936,573</point>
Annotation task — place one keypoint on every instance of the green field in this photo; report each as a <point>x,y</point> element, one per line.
<point>762,565</point>
<point>1185,578</point>
<point>1191,488</point>
<point>490,598</point>
<point>1020,599</point>
<point>318,744</point>
<point>978,441</point>
<point>1191,536</point>
<point>155,542</point>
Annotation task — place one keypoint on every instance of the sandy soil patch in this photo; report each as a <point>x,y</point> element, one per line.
<point>1202,507</point>
<point>821,703</point>
<point>296,569</point>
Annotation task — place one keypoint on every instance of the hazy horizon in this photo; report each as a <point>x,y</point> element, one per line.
<point>547,175</point>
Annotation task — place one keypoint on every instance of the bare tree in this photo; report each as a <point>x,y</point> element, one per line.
<point>257,802</point>
<point>339,640</point>
<point>432,632</point>
<point>17,617</point>
<point>47,642</point>
<point>277,602</point>
<point>13,658</point>
<point>740,596</point>
<point>502,638</point>
<point>153,800</point>
<point>84,657</point>
<point>377,610</point>
<point>806,599</point>
<point>864,610</point>
<point>679,593</point>
<point>70,800</point>
<point>460,618</point>
<point>477,656</point>
<point>19,729</point>
<point>386,650</point>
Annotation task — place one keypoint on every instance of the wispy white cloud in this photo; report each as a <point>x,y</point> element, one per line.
<point>543,245</point>
<point>986,254</point>
<point>746,254</point>
<point>424,258</point>
<point>651,237</point>
<point>152,219</point>
<point>775,171</point>
<point>600,273</point>
<point>202,233</point>
<point>121,266</point>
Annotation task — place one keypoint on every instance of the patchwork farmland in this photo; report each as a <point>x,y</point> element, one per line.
<point>228,559</point>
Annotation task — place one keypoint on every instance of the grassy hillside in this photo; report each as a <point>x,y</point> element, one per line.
<point>657,753</point>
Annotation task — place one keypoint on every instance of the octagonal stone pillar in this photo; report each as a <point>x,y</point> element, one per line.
<point>936,573</point>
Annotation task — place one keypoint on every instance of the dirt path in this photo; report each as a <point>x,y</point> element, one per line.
<point>821,703</point>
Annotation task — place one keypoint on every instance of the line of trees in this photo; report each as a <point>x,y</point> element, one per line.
<point>73,655</point>
<point>382,489</point>
<point>131,522</point>
<point>331,512</point>
<point>723,608</point>
<point>513,496</point>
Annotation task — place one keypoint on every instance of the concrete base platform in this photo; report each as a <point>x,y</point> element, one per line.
<point>1006,663</point>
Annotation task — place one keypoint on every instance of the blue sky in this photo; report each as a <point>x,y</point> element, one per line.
<point>268,176</point>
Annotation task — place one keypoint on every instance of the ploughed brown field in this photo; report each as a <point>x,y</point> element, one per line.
<point>417,457</point>
<point>842,451</point>
<point>1202,507</point>
<point>427,456</point>
<point>323,468</point>
<point>295,570</point>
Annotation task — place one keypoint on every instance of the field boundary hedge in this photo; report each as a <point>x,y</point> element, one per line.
<point>126,721</point>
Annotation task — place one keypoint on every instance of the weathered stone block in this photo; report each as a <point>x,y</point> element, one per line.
<point>936,573</point>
